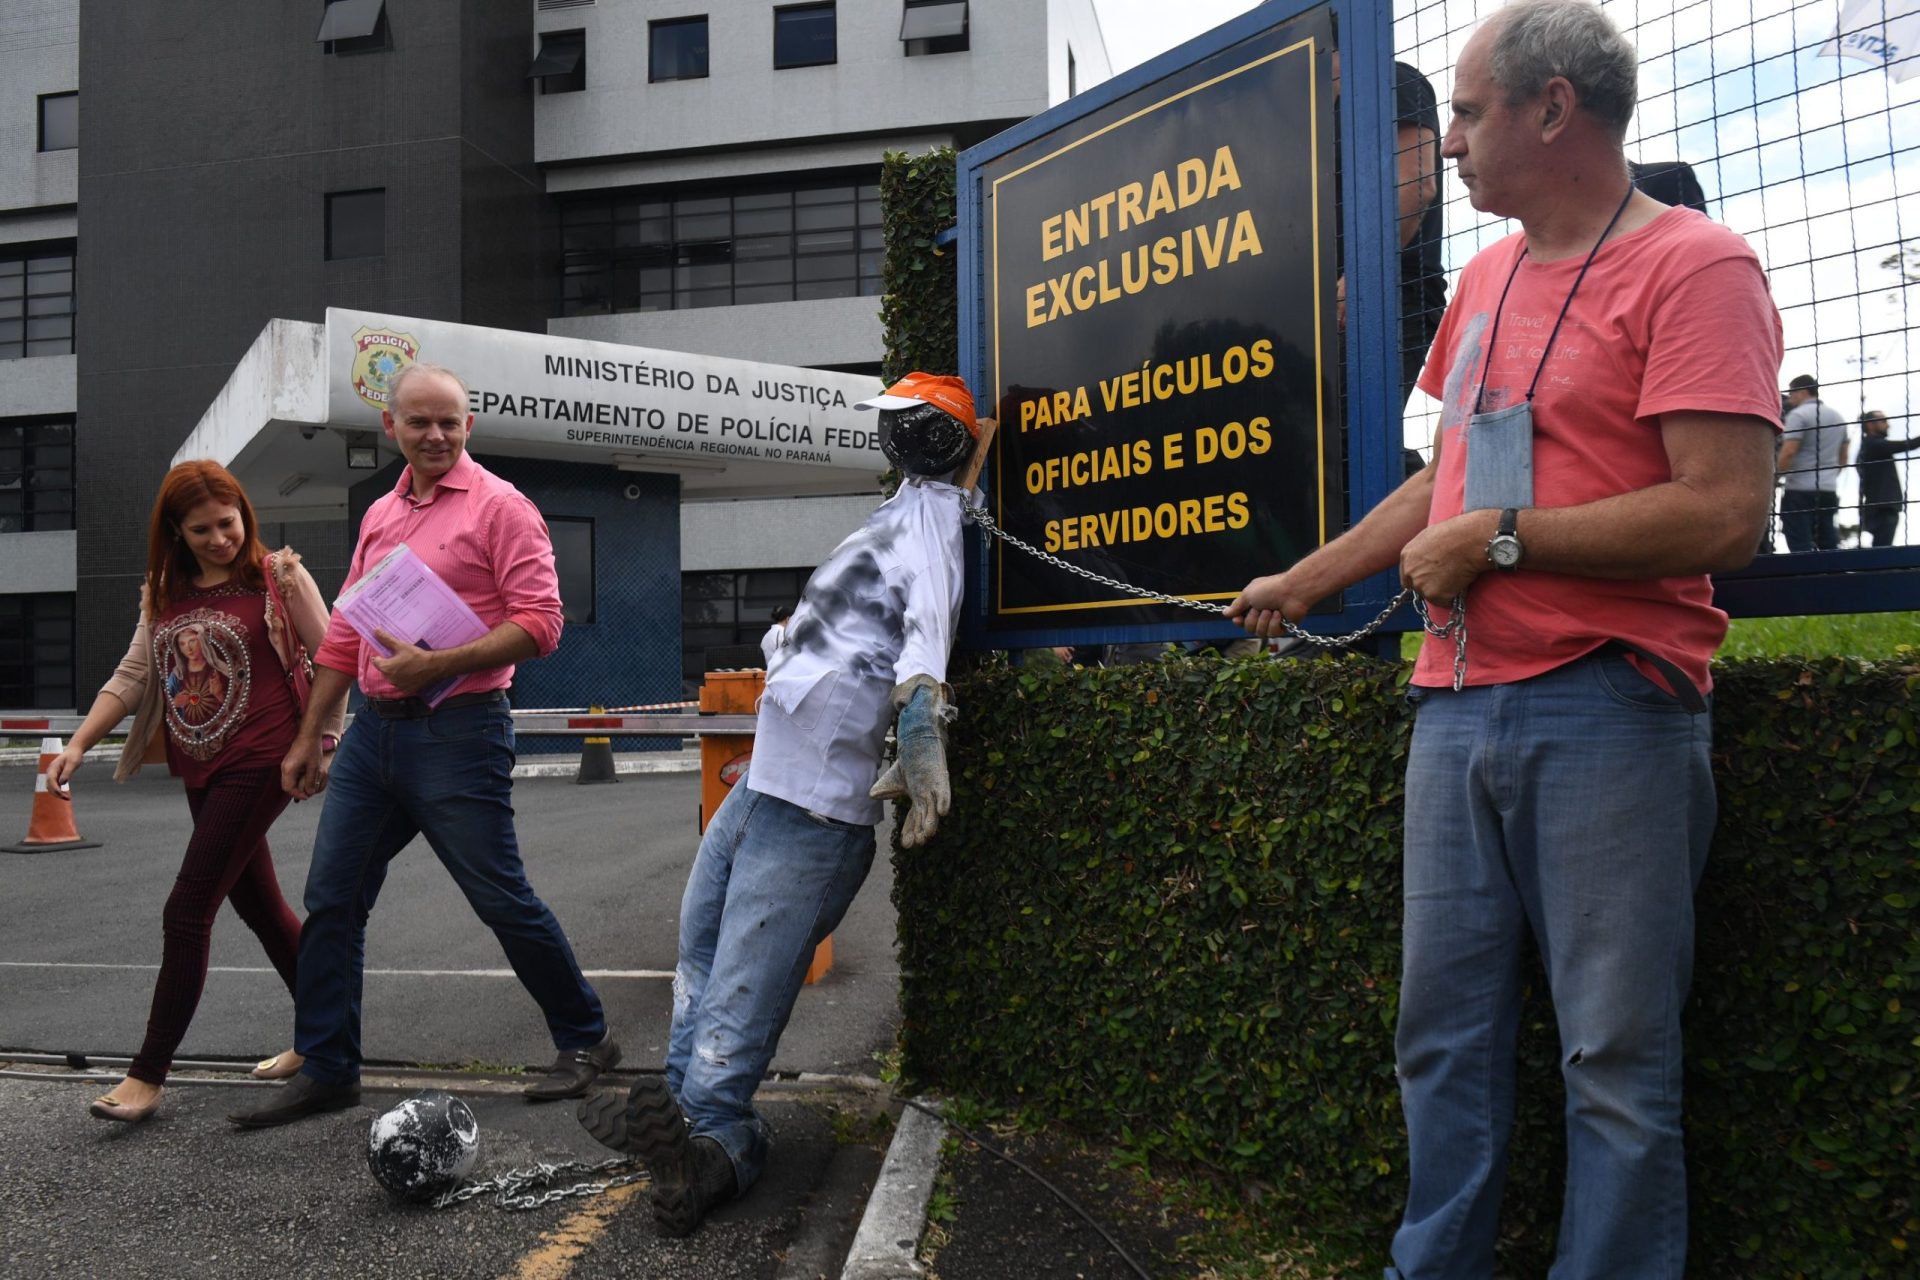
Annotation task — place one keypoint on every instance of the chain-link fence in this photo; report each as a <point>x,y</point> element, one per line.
<point>1747,111</point>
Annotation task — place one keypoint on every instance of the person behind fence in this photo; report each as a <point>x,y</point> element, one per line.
<point>406,768</point>
<point>792,842</point>
<point>217,672</point>
<point>776,634</point>
<point>1605,442</point>
<point>1811,458</point>
<point>1880,493</point>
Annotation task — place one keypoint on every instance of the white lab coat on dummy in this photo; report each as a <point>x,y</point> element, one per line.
<point>880,610</point>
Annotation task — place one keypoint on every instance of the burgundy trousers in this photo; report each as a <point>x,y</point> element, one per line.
<point>227,858</point>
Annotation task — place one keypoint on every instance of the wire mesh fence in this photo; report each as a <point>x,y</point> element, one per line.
<point>1747,111</point>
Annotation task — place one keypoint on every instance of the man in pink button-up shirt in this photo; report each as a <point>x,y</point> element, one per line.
<point>446,771</point>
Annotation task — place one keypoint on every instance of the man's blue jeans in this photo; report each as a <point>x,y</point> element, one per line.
<point>448,777</point>
<point>770,881</point>
<point>1576,806</point>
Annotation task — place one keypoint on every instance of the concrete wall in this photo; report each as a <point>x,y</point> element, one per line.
<point>829,331</point>
<point>772,533</point>
<point>37,561</point>
<point>1073,25</point>
<point>743,101</point>
<point>39,53</point>
<point>37,387</point>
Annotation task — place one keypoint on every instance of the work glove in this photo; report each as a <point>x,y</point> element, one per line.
<point>919,768</point>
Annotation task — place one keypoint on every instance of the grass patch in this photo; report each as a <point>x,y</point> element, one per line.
<point>1870,636</point>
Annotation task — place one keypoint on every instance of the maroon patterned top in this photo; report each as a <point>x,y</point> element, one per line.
<point>225,698</point>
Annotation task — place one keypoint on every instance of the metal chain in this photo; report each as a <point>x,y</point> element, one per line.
<point>513,1190</point>
<point>1455,625</point>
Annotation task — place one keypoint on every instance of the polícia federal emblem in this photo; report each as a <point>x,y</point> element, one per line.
<point>378,354</point>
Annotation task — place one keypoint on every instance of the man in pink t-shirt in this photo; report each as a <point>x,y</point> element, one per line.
<point>1608,381</point>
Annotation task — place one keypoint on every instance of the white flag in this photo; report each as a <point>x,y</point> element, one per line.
<point>1883,32</point>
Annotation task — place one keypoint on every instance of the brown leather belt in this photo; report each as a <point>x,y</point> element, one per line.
<point>417,708</point>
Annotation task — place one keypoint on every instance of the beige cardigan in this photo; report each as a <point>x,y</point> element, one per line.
<point>132,680</point>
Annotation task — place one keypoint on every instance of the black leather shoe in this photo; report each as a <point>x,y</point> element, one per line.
<point>690,1175</point>
<point>297,1099</point>
<point>574,1071</point>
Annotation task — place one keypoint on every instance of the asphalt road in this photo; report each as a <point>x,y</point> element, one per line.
<point>80,934</point>
<point>185,1195</point>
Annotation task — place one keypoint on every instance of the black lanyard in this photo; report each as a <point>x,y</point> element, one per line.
<point>1547,350</point>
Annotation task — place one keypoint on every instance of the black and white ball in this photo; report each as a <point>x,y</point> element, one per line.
<point>424,1146</point>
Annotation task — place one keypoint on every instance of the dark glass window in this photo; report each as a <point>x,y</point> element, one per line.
<point>356,223</point>
<point>36,651</point>
<point>677,49</point>
<point>354,26</point>
<point>36,474</point>
<point>36,302</point>
<point>934,26</point>
<point>804,36</point>
<point>631,252</point>
<point>573,561</point>
<point>562,64</point>
<point>721,610</point>
<point>59,121</point>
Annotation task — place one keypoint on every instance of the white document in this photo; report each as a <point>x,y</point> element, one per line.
<point>405,598</point>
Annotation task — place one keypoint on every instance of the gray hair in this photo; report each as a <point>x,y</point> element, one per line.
<point>1540,39</point>
<point>400,379</point>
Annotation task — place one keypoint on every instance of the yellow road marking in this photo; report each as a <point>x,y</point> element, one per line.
<point>554,1256</point>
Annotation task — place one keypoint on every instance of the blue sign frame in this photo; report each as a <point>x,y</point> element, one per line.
<point>1373,461</point>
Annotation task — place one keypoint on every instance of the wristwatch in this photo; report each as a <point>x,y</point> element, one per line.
<point>328,742</point>
<point>1504,550</point>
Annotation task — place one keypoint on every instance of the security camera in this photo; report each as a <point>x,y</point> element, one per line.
<point>307,430</point>
<point>633,492</point>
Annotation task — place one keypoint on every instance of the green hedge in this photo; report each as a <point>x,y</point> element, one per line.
<point>919,305</point>
<point>1166,909</point>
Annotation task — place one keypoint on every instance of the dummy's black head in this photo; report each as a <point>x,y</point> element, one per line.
<point>924,440</point>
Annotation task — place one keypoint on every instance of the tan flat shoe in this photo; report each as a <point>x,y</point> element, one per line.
<point>107,1107</point>
<point>281,1066</point>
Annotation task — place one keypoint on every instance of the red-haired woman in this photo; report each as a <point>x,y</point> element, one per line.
<point>218,664</point>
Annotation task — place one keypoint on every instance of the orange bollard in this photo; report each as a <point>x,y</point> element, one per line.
<point>50,829</point>
<point>725,756</point>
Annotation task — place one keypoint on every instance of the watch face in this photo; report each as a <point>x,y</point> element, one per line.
<point>1504,552</point>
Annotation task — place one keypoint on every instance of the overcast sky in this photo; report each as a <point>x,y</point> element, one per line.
<point>1135,30</point>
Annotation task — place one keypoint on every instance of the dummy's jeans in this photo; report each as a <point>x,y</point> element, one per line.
<point>770,881</point>
<point>1576,805</point>
<point>448,777</point>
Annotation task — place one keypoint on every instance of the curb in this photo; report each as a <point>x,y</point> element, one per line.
<point>884,1248</point>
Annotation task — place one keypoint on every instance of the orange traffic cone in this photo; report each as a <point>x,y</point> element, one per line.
<point>51,828</point>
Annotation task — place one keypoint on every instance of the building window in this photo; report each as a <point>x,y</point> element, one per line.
<point>36,474</point>
<point>36,651</point>
<point>562,64</point>
<point>677,49</point>
<point>804,36</point>
<point>633,252</point>
<point>730,610</point>
<point>356,223</point>
<point>934,26</point>
<point>59,121</point>
<point>354,26</point>
<point>1073,74</point>
<point>573,560</point>
<point>36,303</point>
